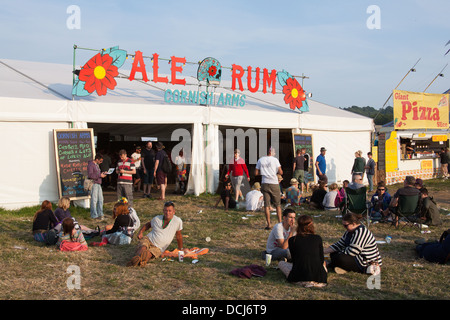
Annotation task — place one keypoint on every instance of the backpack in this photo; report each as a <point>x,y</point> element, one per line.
<point>51,237</point>
<point>88,184</point>
<point>166,165</point>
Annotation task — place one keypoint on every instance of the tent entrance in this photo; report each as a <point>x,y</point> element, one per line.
<point>112,137</point>
<point>249,141</point>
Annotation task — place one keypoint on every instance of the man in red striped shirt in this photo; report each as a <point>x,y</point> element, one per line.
<point>125,170</point>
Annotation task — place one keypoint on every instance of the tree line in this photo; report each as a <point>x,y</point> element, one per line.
<point>382,116</point>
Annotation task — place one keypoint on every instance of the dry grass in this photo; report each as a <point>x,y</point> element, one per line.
<point>40,272</point>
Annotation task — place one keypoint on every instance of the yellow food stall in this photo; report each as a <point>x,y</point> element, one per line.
<point>413,142</point>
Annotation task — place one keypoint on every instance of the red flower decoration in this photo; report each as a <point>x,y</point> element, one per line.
<point>294,93</point>
<point>212,70</point>
<point>99,73</point>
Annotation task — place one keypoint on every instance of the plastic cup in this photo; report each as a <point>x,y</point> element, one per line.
<point>268,259</point>
<point>180,256</point>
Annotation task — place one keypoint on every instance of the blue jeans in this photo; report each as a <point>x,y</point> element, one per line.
<point>370,179</point>
<point>96,201</point>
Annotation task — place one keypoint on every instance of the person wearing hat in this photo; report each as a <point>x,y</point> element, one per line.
<point>254,198</point>
<point>321,165</point>
<point>293,193</point>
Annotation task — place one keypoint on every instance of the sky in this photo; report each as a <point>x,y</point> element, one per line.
<point>352,55</point>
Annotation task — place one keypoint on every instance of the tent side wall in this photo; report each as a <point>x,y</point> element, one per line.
<point>341,148</point>
<point>30,176</point>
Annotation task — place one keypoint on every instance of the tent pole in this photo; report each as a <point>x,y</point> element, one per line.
<point>206,163</point>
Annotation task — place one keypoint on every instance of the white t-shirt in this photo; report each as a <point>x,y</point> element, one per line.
<point>137,159</point>
<point>160,237</point>
<point>252,200</point>
<point>278,232</point>
<point>268,168</point>
<point>328,200</point>
<point>179,162</point>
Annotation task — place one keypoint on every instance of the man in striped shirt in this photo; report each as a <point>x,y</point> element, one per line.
<point>125,170</point>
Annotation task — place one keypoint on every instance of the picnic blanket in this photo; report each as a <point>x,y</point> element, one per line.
<point>193,253</point>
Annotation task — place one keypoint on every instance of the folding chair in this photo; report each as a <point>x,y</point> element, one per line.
<point>407,211</point>
<point>356,202</point>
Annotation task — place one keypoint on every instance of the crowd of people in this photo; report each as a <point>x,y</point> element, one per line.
<point>292,241</point>
<point>144,168</point>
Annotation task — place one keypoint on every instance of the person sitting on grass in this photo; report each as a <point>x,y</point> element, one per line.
<point>356,251</point>
<point>277,243</point>
<point>308,268</point>
<point>164,228</point>
<point>341,196</point>
<point>318,196</point>
<point>122,219</point>
<point>329,200</point>
<point>44,219</point>
<point>254,199</point>
<point>70,238</point>
<point>429,212</point>
<point>225,196</point>
<point>63,212</point>
<point>293,193</point>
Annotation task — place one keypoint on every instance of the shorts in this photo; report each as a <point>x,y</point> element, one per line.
<point>161,177</point>
<point>299,175</point>
<point>271,193</point>
<point>154,250</point>
<point>237,182</point>
<point>139,173</point>
<point>148,177</point>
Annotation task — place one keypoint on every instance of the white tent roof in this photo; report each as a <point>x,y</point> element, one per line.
<point>35,99</point>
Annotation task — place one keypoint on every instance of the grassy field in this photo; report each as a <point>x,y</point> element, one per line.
<point>33,271</point>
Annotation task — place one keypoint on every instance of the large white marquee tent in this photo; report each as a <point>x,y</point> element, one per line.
<point>35,99</point>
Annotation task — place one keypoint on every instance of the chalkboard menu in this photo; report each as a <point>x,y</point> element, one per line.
<point>74,148</point>
<point>305,141</point>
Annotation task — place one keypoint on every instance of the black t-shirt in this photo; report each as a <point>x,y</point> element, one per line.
<point>160,155</point>
<point>149,158</point>
<point>299,162</point>
<point>307,258</point>
<point>318,195</point>
<point>124,220</point>
<point>45,220</point>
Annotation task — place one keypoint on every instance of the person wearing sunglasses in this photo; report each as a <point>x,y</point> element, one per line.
<point>356,251</point>
<point>380,202</point>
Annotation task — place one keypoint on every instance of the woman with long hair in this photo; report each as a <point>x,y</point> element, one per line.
<point>44,219</point>
<point>122,222</point>
<point>62,211</point>
<point>70,238</point>
<point>308,267</point>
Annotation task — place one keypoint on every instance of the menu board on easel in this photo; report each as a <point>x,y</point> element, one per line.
<point>305,141</point>
<point>74,148</point>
